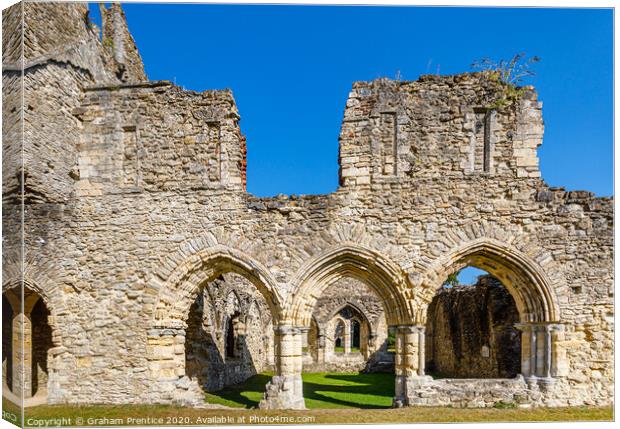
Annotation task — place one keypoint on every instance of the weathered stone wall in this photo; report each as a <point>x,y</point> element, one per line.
<point>470,332</point>
<point>119,44</point>
<point>157,137</point>
<point>56,70</point>
<point>120,266</point>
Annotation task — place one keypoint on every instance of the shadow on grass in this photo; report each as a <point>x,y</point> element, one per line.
<point>339,390</point>
<point>321,390</point>
<point>247,394</point>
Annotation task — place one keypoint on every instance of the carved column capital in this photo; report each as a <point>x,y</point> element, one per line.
<point>287,330</point>
<point>411,329</point>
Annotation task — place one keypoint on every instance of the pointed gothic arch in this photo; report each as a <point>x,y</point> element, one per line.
<point>180,288</point>
<point>525,280</point>
<point>349,260</point>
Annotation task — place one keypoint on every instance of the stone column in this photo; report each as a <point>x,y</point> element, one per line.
<point>22,354</point>
<point>320,349</point>
<point>547,365</point>
<point>534,354</point>
<point>347,337</point>
<point>421,349</point>
<point>285,390</point>
<point>537,350</point>
<point>527,369</point>
<point>409,363</point>
<point>551,357</point>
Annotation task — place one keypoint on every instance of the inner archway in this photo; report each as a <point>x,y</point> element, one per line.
<point>188,313</point>
<point>348,331</point>
<point>229,336</point>
<point>348,340</point>
<point>387,283</point>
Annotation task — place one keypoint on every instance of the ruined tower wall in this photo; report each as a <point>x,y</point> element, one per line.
<point>120,45</point>
<point>447,127</point>
<point>62,54</point>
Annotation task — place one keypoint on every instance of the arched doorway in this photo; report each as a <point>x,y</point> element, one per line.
<point>339,336</point>
<point>235,347</point>
<point>27,339</point>
<point>195,309</point>
<point>470,328</point>
<point>528,307</point>
<point>356,332</point>
<point>384,278</point>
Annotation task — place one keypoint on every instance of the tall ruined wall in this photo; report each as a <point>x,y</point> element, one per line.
<point>470,332</point>
<point>12,136</point>
<point>119,44</point>
<point>101,250</point>
<point>445,127</point>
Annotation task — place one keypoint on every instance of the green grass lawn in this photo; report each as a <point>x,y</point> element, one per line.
<point>173,415</point>
<point>321,390</point>
<point>341,349</point>
<point>329,398</point>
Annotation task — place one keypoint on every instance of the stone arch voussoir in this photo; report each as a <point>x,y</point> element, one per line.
<point>37,279</point>
<point>182,276</point>
<point>528,271</point>
<point>377,271</point>
<point>341,235</point>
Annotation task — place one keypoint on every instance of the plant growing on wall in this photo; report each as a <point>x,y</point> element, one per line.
<point>510,73</point>
<point>452,280</point>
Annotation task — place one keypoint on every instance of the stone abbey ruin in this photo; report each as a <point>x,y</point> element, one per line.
<point>150,275</point>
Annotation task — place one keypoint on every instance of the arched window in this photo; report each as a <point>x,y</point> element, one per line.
<point>339,337</point>
<point>355,335</point>
<point>231,336</point>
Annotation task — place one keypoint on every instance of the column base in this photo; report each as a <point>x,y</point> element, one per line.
<point>546,383</point>
<point>407,389</point>
<point>542,384</point>
<point>284,392</point>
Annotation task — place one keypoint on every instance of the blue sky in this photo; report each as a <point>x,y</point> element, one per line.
<point>291,68</point>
